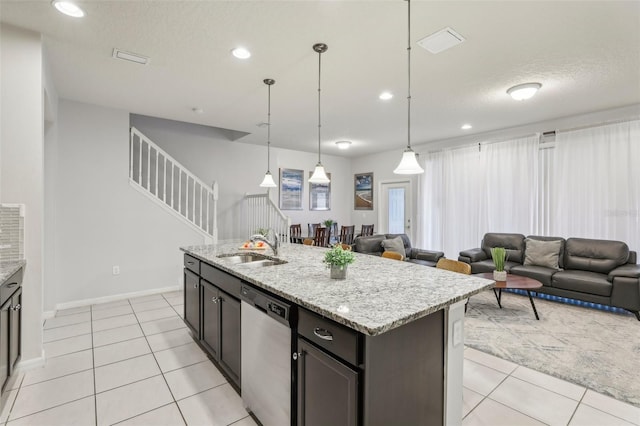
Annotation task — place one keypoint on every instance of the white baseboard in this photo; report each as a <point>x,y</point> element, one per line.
<point>28,364</point>
<point>105,299</point>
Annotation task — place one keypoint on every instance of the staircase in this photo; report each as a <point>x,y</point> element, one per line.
<point>160,177</point>
<point>264,213</point>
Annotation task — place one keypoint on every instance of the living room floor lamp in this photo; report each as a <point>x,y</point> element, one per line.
<point>409,163</point>
<point>319,175</point>
<point>268,182</point>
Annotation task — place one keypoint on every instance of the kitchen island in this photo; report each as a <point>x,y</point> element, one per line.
<point>400,325</point>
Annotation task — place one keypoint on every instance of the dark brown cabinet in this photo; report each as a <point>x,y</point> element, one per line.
<point>327,389</point>
<point>10,326</point>
<point>212,311</point>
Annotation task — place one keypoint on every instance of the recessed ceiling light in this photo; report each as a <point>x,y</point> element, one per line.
<point>466,126</point>
<point>524,91</point>
<point>68,8</point>
<point>385,96</point>
<point>343,144</point>
<point>130,56</point>
<point>241,53</point>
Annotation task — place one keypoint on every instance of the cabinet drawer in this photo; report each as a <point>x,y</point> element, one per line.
<point>335,338</point>
<point>10,286</point>
<point>192,264</point>
<point>221,279</point>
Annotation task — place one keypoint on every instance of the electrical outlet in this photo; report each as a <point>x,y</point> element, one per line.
<point>116,270</point>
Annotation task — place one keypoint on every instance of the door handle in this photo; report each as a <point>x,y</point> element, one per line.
<point>12,284</point>
<point>190,262</point>
<point>17,307</point>
<point>323,333</point>
<point>215,299</point>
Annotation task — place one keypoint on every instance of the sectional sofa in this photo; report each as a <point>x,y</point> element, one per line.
<point>591,270</point>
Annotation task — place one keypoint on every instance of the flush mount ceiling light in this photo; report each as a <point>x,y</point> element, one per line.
<point>466,126</point>
<point>319,175</point>
<point>525,91</point>
<point>241,53</point>
<point>343,144</point>
<point>409,163</point>
<point>385,96</point>
<point>68,8</point>
<point>268,182</point>
<point>129,56</point>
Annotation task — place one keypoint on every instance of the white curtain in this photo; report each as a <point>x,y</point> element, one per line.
<point>469,191</point>
<point>596,192</point>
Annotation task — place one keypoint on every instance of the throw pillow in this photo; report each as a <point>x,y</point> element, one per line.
<point>394,244</point>
<point>542,253</point>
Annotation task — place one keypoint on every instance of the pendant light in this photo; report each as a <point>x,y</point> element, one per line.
<point>268,182</point>
<point>319,175</point>
<point>409,163</point>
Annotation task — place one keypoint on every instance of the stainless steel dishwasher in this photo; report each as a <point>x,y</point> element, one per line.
<point>266,357</point>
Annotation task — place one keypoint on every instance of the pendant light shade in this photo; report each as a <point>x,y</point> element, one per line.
<point>319,175</point>
<point>268,182</point>
<point>409,162</point>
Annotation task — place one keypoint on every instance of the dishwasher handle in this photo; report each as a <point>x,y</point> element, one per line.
<point>323,333</point>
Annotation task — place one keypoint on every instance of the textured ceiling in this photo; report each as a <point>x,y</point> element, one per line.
<point>585,54</point>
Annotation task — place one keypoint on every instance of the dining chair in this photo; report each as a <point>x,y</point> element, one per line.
<point>307,241</point>
<point>392,255</point>
<point>320,237</point>
<point>366,230</point>
<point>295,233</point>
<point>346,234</point>
<point>455,266</point>
<point>312,229</point>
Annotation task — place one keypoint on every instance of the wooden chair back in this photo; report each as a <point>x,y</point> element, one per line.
<point>454,266</point>
<point>346,234</point>
<point>295,233</point>
<point>392,255</point>
<point>307,241</point>
<point>366,230</point>
<point>312,229</point>
<point>320,237</point>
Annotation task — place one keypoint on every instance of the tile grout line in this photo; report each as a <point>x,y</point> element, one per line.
<point>93,363</point>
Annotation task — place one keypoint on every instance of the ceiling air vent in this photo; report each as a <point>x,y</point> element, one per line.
<point>128,56</point>
<point>441,41</point>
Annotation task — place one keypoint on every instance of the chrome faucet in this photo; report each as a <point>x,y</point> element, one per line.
<point>274,245</point>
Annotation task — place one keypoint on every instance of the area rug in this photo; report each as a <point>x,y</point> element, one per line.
<point>592,348</point>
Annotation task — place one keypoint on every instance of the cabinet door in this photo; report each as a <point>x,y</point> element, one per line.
<point>192,302</point>
<point>327,389</point>
<point>230,335</point>
<point>211,319</point>
<point>15,333</point>
<point>4,343</point>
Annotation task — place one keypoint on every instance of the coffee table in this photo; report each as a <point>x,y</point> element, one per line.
<point>516,282</point>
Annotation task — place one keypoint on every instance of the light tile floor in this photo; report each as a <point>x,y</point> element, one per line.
<point>133,362</point>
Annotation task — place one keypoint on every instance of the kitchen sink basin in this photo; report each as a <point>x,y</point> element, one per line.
<point>251,259</point>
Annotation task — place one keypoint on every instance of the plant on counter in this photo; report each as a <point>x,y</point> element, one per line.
<point>499,256</point>
<point>338,259</point>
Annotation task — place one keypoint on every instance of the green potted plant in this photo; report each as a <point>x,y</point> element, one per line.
<point>337,259</point>
<point>499,256</point>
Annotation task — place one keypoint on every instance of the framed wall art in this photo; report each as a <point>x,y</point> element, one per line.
<point>320,195</point>
<point>363,191</point>
<point>291,189</point>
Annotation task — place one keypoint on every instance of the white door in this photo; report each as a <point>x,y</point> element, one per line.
<point>395,211</point>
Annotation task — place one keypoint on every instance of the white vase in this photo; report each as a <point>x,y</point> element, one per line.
<point>500,275</point>
<point>338,273</point>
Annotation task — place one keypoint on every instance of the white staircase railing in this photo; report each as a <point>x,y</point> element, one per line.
<point>159,176</point>
<point>263,213</point>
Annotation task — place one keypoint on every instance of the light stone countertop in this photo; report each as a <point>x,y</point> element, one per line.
<point>9,267</point>
<point>378,295</point>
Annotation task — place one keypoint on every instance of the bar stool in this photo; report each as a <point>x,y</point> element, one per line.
<point>346,234</point>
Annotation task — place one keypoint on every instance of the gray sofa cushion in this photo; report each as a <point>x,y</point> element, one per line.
<point>542,253</point>
<point>514,243</point>
<point>595,255</point>
<point>539,273</point>
<point>370,244</point>
<point>583,282</point>
<point>394,244</point>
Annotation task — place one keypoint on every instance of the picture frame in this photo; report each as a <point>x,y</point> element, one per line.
<point>291,189</point>
<point>363,191</point>
<point>320,195</point>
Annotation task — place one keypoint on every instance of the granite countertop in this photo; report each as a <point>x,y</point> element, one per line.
<point>378,295</point>
<point>9,267</point>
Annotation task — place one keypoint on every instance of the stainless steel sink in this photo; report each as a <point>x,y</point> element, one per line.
<point>251,259</point>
